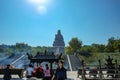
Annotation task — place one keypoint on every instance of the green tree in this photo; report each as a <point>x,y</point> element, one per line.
<point>98,47</point>
<point>68,50</point>
<point>86,49</point>
<point>75,44</point>
<point>22,47</point>
<point>110,45</point>
<point>117,45</point>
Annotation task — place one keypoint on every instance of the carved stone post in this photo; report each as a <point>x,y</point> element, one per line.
<point>83,70</point>
<point>100,70</point>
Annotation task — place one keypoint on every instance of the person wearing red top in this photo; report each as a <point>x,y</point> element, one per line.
<point>39,72</point>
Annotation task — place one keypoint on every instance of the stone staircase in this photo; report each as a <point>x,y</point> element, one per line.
<point>75,62</point>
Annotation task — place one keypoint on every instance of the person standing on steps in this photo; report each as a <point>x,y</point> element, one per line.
<point>60,73</point>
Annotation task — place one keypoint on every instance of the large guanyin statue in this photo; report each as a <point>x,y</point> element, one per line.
<point>58,44</point>
<point>59,41</point>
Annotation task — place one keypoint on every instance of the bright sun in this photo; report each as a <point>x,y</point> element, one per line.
<point>41,5</point>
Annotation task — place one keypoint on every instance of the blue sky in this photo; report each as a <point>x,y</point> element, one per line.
<point>92,21</point>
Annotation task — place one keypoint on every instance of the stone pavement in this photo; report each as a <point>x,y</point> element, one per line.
<point>72,75</point>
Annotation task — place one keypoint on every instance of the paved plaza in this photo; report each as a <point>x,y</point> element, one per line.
<point>72,75</point>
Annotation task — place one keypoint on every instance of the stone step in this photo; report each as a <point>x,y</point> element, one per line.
<point>75,62</point>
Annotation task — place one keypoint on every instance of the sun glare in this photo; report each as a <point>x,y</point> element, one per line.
<point>41,5</point>
<point>39,1</point>
<point>42,10</point>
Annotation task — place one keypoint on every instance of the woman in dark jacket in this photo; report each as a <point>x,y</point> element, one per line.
<point>60,73</point>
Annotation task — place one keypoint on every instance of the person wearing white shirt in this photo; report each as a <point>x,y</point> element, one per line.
<point>30,71</point>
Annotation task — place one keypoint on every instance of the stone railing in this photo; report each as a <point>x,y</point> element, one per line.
<point>18,72</point>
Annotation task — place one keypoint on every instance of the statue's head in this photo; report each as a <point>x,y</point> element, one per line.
<point>59,32</point>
